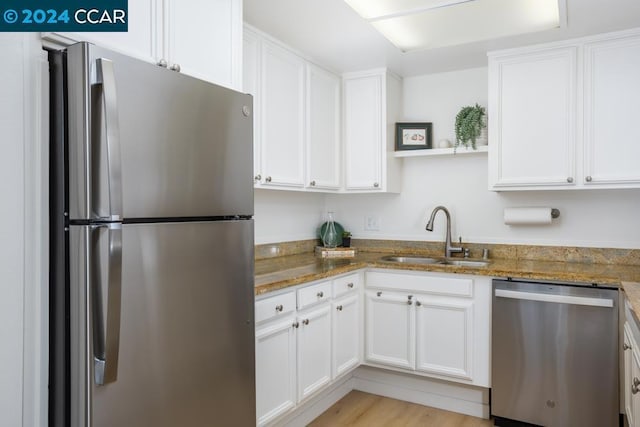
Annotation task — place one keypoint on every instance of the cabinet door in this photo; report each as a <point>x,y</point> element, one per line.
<point>282,116</point>
<point>251,85</point>
<point>389,327</point>
<point>444,337</point>
<point>611,133</point>
<point>142,41</point>
<point>213,52</point>
<point>532,122</point>
<point>628,374</point>
<point>323,129</point>
<point>275,370</point>
<point>635,378</point>
<point>346,334</point>
<point>314,351</point>
<point>363,130</point>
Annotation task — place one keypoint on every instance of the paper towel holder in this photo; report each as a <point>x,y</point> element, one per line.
<point>555,213</point>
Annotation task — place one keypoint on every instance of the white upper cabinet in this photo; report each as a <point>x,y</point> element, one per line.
<point>323,129</point>
<point>204,38</point>
<point>532,120</point>
<point>251,85</point>
<point>371,102</point>
<point>282,116</point>
<point>562,116</point>
<point>611,94</point>
<point>198,37</point>
<point>296,117</point>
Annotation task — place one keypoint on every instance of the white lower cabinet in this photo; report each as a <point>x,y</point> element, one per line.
<point>346,334</point>
<point>314,350</point>
<point>444,337</point>
<point>389,327</point>
<point>431,324</point>
<point>631,374</point>
<point>275,369</point>
<point>304,339</point>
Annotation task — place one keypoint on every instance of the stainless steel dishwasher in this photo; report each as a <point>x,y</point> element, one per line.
<point>554,354</point>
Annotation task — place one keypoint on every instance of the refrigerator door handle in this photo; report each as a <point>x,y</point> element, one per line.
<point>105,76</point>
<point>106,311</point>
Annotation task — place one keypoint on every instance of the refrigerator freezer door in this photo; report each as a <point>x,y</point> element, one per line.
<point>186,347</point>
<point>185,145</point>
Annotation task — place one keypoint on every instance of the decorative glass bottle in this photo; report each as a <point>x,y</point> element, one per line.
<point>330,238</point>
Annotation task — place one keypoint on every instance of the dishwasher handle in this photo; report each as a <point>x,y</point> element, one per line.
<point>559,299</point>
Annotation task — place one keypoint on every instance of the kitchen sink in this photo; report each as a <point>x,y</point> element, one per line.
<point>439,261</point>
<point>465,262</point>
<point>412,259</point>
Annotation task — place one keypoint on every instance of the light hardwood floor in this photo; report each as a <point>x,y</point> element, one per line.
<point>360,409</point>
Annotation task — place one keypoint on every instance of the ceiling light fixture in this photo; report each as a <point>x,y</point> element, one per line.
<point>425,24</point>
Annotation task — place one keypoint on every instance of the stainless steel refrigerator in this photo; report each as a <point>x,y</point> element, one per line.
<point>151,246</point>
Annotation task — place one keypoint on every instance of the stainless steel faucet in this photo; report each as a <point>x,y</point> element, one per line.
<point>448,249</point>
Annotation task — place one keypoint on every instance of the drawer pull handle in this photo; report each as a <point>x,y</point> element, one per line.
<point>305,322</point>
<point>279,307</point>
<point>320,294</point>
<point>339,308</point>
<point>350,285</point>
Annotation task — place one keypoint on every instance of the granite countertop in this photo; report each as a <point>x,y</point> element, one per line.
<point>281,272</point>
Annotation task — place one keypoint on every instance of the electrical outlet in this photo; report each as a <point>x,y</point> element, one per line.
<point>372,223</point>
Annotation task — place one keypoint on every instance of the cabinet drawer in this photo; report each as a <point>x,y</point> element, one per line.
<point>435,285</point>
<point>346,284</point>
<point>314,294</point>
<point>276,306</point>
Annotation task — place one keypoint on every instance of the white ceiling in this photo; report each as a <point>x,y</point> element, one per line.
<point>332,34</point>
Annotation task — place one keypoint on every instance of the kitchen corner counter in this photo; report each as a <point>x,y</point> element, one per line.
<point>281,272</point>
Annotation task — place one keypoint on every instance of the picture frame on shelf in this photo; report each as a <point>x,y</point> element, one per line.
<point>414,136</point>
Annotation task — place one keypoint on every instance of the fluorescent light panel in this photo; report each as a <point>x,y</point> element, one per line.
<point>425,24</point>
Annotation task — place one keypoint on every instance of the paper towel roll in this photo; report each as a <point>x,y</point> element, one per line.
<point>529,216</point>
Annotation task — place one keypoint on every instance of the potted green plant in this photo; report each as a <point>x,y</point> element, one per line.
<point>469,124</point>
<point>346,239</point>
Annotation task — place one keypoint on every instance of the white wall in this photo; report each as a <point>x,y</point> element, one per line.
<point>282,216</point>
<point>23,232</point>
<point>11,231</point>
<point>601,218</point>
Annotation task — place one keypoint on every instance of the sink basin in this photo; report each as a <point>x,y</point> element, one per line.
<point>465,262</point>
<point>440,261</point>
<point>412,259</point>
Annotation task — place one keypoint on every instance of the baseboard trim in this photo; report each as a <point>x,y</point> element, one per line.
<point>308,411</point>
<point>468,400</point>
<point>464,399</point>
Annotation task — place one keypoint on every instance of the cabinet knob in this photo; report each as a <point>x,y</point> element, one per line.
<point>379,293</point>
<point>175,67</point>
<point>350,285</point>
<point>376,185</point>
<point>626,346</point>
<point>418,303</point>
<point>257,177</point>
<point>634,387</point>
<point>570,179</point>
<point>296,325</point>
<point>409,298</point>
<point>312,183</point>
<point>279,307</point>
<point>268,179</point>
<point>320,294</point>
<point>339,308</point>
<point>162,63</point>
<point>588,179</point>
<point>305,322</point>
